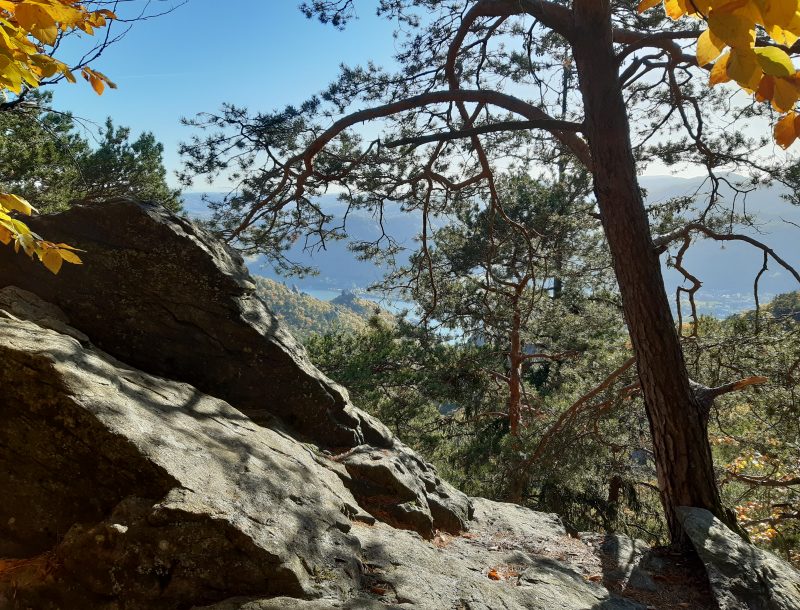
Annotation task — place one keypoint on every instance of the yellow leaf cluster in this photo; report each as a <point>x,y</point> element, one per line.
<point>12,230</point>
<point>729,45</point>
<point>27,25</point>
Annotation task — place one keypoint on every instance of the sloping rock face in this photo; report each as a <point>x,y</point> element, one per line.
<point>151,490</point>
<point>125,490</point>
<point>742,576</point>
<point>164,296</point>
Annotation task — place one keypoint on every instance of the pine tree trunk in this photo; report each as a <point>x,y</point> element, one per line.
<point>677,420</point>
<point>515,373</point>
<point>518,474</point>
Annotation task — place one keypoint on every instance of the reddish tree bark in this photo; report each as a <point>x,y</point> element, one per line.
<point>515,359</point>
<point>678,420</point>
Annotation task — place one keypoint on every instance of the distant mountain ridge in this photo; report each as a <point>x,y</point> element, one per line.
<point>339,267</point>
<point>727,270</point>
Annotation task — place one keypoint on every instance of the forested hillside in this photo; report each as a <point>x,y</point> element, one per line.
<point>306,315</point>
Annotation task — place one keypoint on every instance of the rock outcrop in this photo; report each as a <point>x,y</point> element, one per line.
<point>160,294</point>
<point>628,560</point>
<point>742,577</point>
<point>122,489</point>
<point>150,489</point>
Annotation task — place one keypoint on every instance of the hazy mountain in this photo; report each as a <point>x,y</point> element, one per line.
<point>726,270</point>
<point>339,268</point>
<point>194,205</point>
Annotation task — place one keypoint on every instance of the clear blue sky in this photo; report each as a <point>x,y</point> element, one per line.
<point>259,53</point>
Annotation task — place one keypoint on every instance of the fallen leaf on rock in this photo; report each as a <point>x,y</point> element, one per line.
<point>441,540</point>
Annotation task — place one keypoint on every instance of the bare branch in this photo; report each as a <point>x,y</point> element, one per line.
<point>662,243</point>
<point>547,124</point>
<point>570,413</point>
<point>764,481</point>
<point>706,395</point>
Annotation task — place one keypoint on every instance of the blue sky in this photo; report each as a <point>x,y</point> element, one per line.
<point>258,53</point>
<point>262,54</point>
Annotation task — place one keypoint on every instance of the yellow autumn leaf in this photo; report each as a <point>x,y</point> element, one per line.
<point>98,80</point>
<point>777,12</point>
<point>26,241</point>
<point>766,89</point>
<point>97,84</point>
<point>51,258</point>
<point>70,257</point>
<point>46,66</point>
<point>719,73</point>
<point>744,69</point>
<point>646,5</point>
<point>699,7</point>
<point>782,35</point>
<point>709,47</point>
<point>17,203</point>
<point>774,61</point>
<point>728,6</point>
<point>749,12</point>
<point>33,18</point>
<point>785,130</point>
<point>21,61</point>
<point>786,94</point>
<point>675,9</point>
<point>68,247</point>
<point>732,29</point>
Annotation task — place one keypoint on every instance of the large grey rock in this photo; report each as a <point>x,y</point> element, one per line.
<point>400,488</point>
<point>407,572</point>
<point>163,295</point>
<point>18,304</point>
<point>626,561</point>
<point>135,492</point>
<point>151,492</point>
<point>742,576</point>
